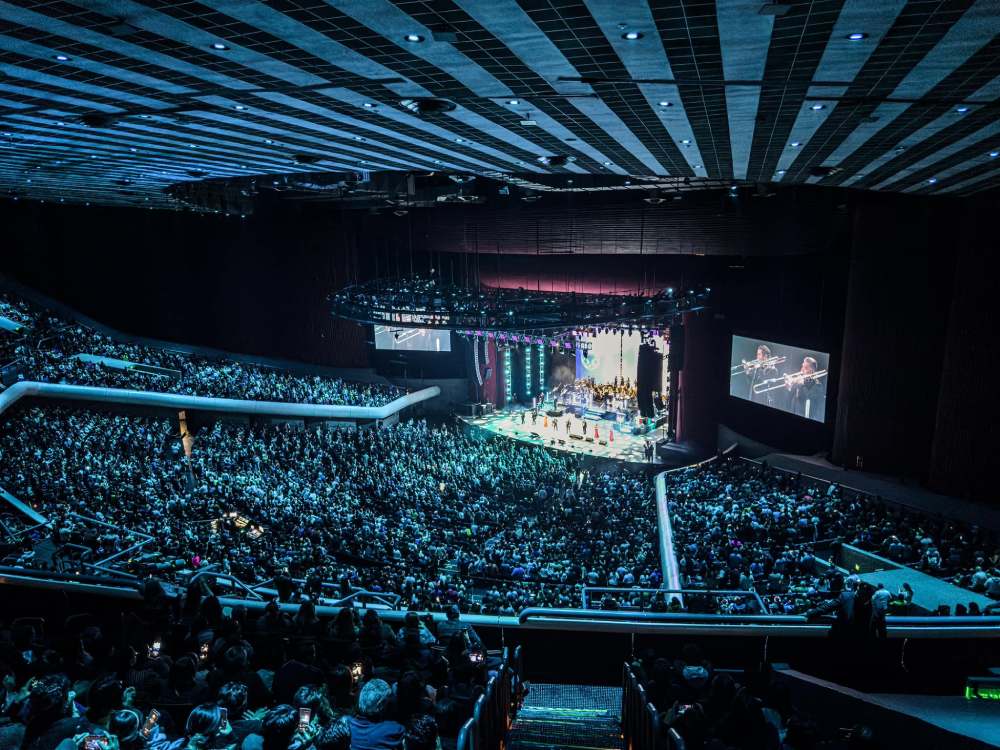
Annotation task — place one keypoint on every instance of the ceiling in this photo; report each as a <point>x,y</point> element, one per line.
<point>113,101</point>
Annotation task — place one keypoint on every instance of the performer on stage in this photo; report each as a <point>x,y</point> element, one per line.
<point>805,391</point>
<point>757,371</point>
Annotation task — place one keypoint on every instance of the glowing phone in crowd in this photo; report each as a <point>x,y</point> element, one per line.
<point>477,657</point>
<point>223,717</point>
<point>154,649</point>
<point>305,716</point>
<point>95,742</point>
<point>150,723</point>
<point>203,653</point>
<point>357,671</point>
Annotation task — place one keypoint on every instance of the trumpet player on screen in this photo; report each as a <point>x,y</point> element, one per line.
<point>758,370</point>
<point>804,390</point>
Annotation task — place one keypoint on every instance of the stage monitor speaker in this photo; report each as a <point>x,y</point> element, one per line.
<point>602,442</point>
<point>575,436</point>
<point>675,361</point>
<point>589,439</point>
<point>469,410</point>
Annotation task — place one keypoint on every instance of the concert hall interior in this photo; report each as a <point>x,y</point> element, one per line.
<point>383,374</point>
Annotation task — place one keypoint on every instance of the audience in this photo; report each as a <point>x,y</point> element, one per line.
<point>46,347</point>
<point>743,526</point>
<point>120,696</point>
<point>430,513</point>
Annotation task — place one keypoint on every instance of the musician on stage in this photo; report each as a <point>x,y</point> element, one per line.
<point>757,371</point>
<point>805,392</point>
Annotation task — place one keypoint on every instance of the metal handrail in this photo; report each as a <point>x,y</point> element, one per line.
<point>226,577</point>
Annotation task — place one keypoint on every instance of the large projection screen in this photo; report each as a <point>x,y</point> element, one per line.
<point>612,356</point>
<point>397,338</point>
<point>779,376</point>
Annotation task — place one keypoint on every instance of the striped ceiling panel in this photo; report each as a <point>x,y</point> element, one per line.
<point>114,101</point>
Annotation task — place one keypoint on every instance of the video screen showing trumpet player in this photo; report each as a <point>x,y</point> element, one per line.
<point>779,376</point>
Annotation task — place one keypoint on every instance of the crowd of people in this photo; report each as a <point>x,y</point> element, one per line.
<point>189,674</point>
<point>723,710</point>
<point>427,512</point>
<point>46,346</point>
<point>743,526</point>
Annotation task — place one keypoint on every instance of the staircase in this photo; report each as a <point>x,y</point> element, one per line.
<point>568,716</point>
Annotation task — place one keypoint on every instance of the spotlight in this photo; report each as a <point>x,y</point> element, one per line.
<point>994,154</point>
<point>62,58</point>
<point>686,141</point>
<point>818,107</point>
<point>961,110</point>
<point>414,38</point>
<point>932,180</point>
<point>219,46</point>
<point>665,103</point>
<point>368,105</point>
<point>796,144</point>
<point>857,36</point>
<point>631,36</point>
<point>513,102</point>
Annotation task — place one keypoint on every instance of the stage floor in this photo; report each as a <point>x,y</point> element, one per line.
<point>624,447</point>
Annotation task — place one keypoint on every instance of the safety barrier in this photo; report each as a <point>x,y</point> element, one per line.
<point>494,711</point>
<point>640,720</point>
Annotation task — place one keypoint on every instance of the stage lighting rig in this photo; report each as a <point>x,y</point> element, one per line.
<point>430,303</point>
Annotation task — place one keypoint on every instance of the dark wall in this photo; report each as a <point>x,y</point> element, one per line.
<point>897,312</point>
<point>257,285</point>
<point>967,419</point>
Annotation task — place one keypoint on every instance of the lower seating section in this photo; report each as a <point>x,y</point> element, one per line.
<point>45,347</point>
<point>219,678</point>
<point>681,701</point>
<point>425,511</point>
<point>739,525</point>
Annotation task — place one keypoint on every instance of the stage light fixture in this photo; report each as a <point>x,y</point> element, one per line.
<point>631,36</point>
<point>857,36</point>
<point>994,154</point>
<point>368,105</point>
<point>414,38</point>
<point>665,103</point>
<point>818,107</point>
<point>961,110</point>
<point>932,180</point>
<point>219,46</point>
<point>62,58</point>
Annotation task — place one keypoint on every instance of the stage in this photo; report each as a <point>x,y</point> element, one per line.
<point>624,446</point>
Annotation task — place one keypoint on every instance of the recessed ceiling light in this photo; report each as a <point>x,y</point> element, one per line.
<point>631,36</point>
<point>268,141</point>
<point>697,166</point>
<point>513,102</point>
<point>240,107</point>
<point>459,140</point>
<point>932,180</point>
<point>413,38</point>
<point>781,171</point>
<point>219,46</point>
<point>358,138</point>
<point>665,103</point>
<point>62,58</point>
<point>368,105</point>
<point>857,36</point>
<point>961,110</point>
<point>144,117</point>
<point>437,161</point>
<point>686,141</point>
<point>994,154</point>
<point>796,144</point>
<point>818,107</point>
<point>607,164</point>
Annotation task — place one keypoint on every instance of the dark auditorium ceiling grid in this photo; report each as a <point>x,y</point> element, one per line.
<point>113,101</point>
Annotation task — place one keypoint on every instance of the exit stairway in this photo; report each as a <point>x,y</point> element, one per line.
<point>583,717</point>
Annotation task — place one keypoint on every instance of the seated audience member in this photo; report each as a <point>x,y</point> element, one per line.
<point>421,734</point>
<point>371,729</point>
<point>296,672</point>
<point>51,714</point>
<point>453,625</point>
<point>233,697</point>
